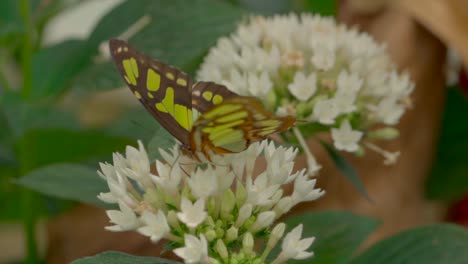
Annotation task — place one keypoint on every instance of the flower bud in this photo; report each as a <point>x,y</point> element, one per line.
<point>220,247</point>
<point>248,243</point>
<point>232,234</point>
<point>386,133</point>
<point>227,204</point>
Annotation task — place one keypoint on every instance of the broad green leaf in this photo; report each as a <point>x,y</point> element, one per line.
<point>66,181</point>
<point>54,67</point>
<point>161,140</point>
<point>10,22</point>
<point>266,7</point>
<point>322,7</point>
<point>337,234</point>
<point>21,116</point>
<point>179,33</point>
<point>112,257</point>
<point>435,244</point>
<point>41,147</point>
<point>449,177</point>
<point>346,169</point>
<point>137,124</point>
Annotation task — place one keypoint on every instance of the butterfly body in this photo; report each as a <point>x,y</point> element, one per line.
<point>204,117</point>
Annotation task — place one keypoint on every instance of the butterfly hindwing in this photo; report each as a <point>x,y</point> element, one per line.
<point>164,90</point>
<point>236,123</point>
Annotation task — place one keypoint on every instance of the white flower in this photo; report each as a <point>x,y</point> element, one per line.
<point>348,82</point>
<point>325,111</point>
<point>389,111</point>
<point>155,227</point>
<point>260,191</point>
<point>203,182</point>
<point>163,208</point>
<point>138,164</point>
<point>244,213</point>
<point>194,251</point>
<point>124,220</point>
<point>345,138</point>
<point>264,220</point>
<point>348,86</point>
<point>293,247</point>
<point>322,70</point>
<point>303,87</point>
<point>323,58</point>
<point>304,189</point>
<point>192,214</point>
<point>168,178</point>
<point>259,86</point>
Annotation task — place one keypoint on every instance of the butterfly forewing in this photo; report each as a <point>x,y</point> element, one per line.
<point>164,90</point>
<point>205,95</point>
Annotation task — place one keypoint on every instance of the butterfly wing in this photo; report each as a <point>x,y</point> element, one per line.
<point>235,124</point>
<point>205,95</point>
<point>163,90</point>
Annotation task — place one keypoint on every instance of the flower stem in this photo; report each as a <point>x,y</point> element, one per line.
<point>27,48</point>
<point>311,162</point>
<point>28,197</point>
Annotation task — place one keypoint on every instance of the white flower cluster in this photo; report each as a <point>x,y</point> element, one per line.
<point>311,67</point>
<point>207,210</point>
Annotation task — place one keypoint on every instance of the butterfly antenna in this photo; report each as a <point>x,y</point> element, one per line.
<point>303,121</point>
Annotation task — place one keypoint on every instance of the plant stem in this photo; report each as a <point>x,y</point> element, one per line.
<point>28,197</point>
<point>29,222</point>
<point>27,48</point>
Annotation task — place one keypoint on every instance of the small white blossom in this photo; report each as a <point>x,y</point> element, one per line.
<point>259,86</point>
<point>264,220</point>
<point>303,87</point>
<point>192,214</point>
<point>293,247</point>
<point>389,111</point>
<point>323,58</point>
<point>155,227</point>
<point>325,111</point>
<point>304,189</point>
<point>194,251</point>
<point>203,182</point>
<point>345,138</point>
<point>124,220</point>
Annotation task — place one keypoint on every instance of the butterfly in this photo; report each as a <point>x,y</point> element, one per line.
<point>205,117</point>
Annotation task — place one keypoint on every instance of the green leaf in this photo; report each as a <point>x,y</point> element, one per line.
<point>338,234</point>
<point>322,7</point>
<point>53,68</point>
<point>179,33</point>
<point>346,169</point>
<point>66,181</point>
<point>266,7</point>
<point>21,116</point>
<point>112,257</point>
<point>161,140</point>
<point>435,244</point>
<point>10,22</point>
<point>137,124</point>
<point>448,179</point>
<point>59,145</point>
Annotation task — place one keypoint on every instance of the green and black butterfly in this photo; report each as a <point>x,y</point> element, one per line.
<point>204,116</point>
